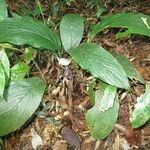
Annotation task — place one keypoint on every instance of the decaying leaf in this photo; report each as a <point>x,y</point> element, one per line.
<point>141,113</point>
<point>100,122</point>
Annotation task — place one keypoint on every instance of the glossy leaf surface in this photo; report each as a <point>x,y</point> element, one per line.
<point>71,31</point>
<point>22,99</point>
<point>128,67</point>
<point>134,23</point>
<point>101,64</point>
<point>4,71</point>
<point>3,10</point>
<point>29,31</point>
<point>5,63</point>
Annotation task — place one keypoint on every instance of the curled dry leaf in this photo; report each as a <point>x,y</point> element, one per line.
<point>71,136</point>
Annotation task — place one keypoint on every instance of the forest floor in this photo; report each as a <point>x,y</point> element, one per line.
<point>67,88</point>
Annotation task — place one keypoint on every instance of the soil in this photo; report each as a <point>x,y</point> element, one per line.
<point>67,94</point>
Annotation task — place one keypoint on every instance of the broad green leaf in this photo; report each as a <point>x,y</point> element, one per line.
<point>5,63</point>
<point>26,30</point>
<point>19,70</point>
<point>101,123</point>
<point>101,64</point>
<point>4,71</point>
<point>22,99</point>
<point>134,23</point>
<point>71,31</point>
<point>128,67</point>
<point>91,91</point>
<point>2,81</point>
<point>3,10</point>
<point>141,113</point>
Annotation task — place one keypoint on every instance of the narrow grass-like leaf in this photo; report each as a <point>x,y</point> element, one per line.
<point>26,30</point>
<point>128,67</point>
<point>101,123</point>
<point>101,64</point>
<point>71,31</point>
<point>134,23</point>
<point>141,113</point>
<point>3,10</point>
<point>22,99</point>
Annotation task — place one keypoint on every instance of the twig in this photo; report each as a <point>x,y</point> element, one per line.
<point>42,75</point>
<point>121,128</point>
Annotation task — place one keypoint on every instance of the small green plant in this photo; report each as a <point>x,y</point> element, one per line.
<point>108,69</point>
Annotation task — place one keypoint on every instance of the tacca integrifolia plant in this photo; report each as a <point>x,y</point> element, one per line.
<point>111,70</point>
